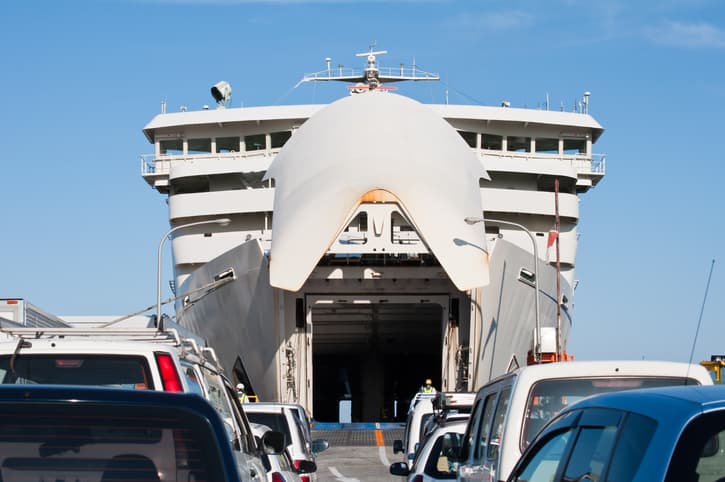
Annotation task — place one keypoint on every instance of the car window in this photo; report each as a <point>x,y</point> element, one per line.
<point>547,397</point>
<point>499,419</point>
<point>700,452</point>
<point>441,462</point>
<point>591,453</point>
<point>543,463</point>
<point>633,439</point>
<point>91,441</point>
<point>470,430</point>
<point>193,379</point>
<point>484,427</point>
<point>77,369</point>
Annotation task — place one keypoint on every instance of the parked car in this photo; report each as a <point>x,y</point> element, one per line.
<point>510,410</point>
<point>133,358</point>
<point>284,418</point>
<point>672,434</point>
<point>437,457</point>
<point>75,433</point>
<point>278,464</point>
<point>423,411</point>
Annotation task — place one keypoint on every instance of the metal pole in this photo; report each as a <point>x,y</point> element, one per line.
<point>537,331</point>
<point>221,222</point>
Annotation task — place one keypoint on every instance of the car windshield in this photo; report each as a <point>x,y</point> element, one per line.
<point>77,369</point>
<point>548,397</point>
<point>276,421</point>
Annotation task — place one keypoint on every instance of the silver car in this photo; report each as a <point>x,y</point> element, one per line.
<point>658,434</point>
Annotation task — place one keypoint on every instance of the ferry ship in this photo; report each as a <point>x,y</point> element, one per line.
<point>340,254</point>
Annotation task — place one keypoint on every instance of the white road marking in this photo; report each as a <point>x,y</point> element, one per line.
<point>341,477</point>
<point>383,456</point>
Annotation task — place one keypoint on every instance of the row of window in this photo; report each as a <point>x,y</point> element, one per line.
<point>543,145</point>
<point>275,140</point>
<point>221,145</point>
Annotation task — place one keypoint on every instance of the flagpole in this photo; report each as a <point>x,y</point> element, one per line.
<point>558,271</point>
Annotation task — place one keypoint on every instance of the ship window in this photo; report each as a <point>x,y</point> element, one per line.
<point>575,146</point>
<point>255,143</point>
<point>469,137</point>
<point>355,232</point>
<point>402,232</point>
<point>227,144</point>
<point>547,146</point>
<point>519,144</point>
<point>278,139</point>
<point>200,146</point>
<point>490,141</point>
<point>171,147</point>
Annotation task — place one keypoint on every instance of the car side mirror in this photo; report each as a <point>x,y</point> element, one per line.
<point>399,468</point>
<point>306,467</point>
<point>272,443</point>
<point>712,446</point>
<point>397,446</point>
<point>319,445</point>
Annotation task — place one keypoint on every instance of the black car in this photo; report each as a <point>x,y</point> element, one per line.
<point>63,433</point>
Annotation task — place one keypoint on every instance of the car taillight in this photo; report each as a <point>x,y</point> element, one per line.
<point>304,478</point>
<point>277,477</point>
<point>169,374</point>
<point>418,478</point>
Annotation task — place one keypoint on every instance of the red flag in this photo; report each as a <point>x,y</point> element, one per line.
<point>552,237</point>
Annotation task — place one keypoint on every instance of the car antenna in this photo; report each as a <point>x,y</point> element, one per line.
<point>699,320</point>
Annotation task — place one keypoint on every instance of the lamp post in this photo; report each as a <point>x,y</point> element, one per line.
<point>537,331</point>
<point>221,222</point>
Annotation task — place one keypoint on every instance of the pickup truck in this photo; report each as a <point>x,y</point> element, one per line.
<point>95,434</point>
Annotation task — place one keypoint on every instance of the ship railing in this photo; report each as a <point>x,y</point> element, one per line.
<point>152,165</point>
<point>341,73</point>
<point>587,165</point>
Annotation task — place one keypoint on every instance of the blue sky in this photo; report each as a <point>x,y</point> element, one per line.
<point>80,79</point>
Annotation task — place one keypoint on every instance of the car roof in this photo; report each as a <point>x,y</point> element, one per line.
<point>66,346</point>
<point>607,368</point>
<point>687,400</point>
<point>86,393</point>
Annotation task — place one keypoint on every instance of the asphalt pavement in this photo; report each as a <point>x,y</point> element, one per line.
<point>358,455</point>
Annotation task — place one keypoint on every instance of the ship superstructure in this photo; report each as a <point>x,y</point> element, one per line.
<point>348,271</point>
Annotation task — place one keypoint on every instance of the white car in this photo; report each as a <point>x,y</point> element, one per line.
<point>511,409</point>
<point>130,358</point>
<point>436,458</point>
<point>279,465</point>
<point>422,413</point>
<point>284,418</point>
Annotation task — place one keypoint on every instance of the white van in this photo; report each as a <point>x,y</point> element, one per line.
<point>423,411</point>
<point>511,409</point>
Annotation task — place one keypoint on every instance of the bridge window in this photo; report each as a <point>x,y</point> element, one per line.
<point>469,137</point>
<point>255,143</point>
<point>227,144</point>
<point>519,144</point>
<point>490,141</point>
<point>575,146</point>
<point>547,145</point>
<point>200,146</point>
<point>171,147</point>
<point>279,139</point>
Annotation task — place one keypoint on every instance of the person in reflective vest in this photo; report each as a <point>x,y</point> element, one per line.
<point>428,387</point>
<point>241,393</point>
